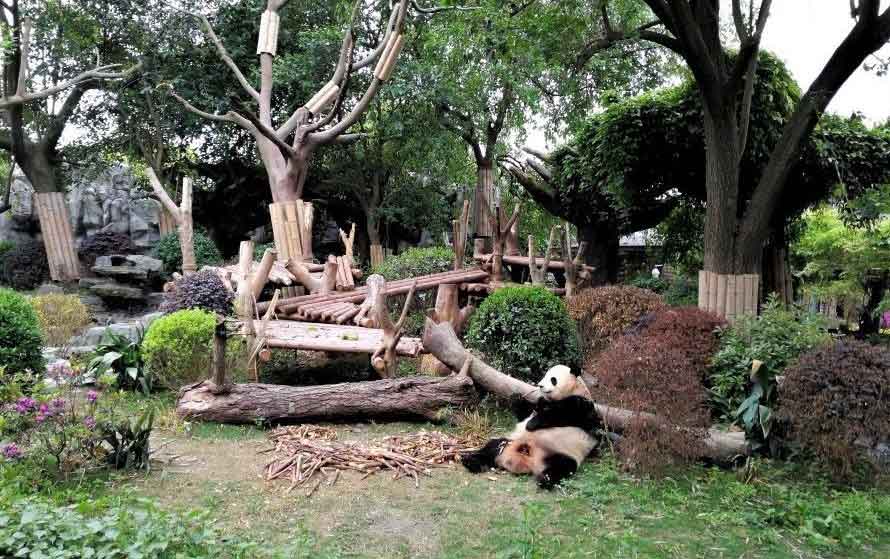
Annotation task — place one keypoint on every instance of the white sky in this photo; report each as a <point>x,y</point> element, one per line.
<point>804,34</point>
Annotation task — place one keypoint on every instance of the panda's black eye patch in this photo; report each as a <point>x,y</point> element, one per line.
<point>553,381</point>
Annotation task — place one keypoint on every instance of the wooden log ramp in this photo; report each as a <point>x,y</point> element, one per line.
<point>441,341</point>
<point>424,398</point>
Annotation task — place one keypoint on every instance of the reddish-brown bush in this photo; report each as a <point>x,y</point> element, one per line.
<point>836,401</point>
<point>657,368</point>
<point>604,313</point>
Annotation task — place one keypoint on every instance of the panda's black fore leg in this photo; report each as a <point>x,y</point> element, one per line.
<point>483,459</point>
<point>556,468</point>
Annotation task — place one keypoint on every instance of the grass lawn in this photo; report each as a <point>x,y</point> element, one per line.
<point>779,511</point>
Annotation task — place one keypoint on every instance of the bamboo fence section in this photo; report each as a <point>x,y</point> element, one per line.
<point>729,295</point>
<point>55,225</point>
<point>292,233</point>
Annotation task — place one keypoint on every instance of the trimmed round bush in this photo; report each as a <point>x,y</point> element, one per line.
<point>61,316</point>
<point>523,331</point>
<point>177,348</point>
<point>24,266</point>
<point>103,243</point>
<point>604,313</point>
<point>836,403</point>
<point>206,252</point>
<point>202,290</point>
<point>20,339</point>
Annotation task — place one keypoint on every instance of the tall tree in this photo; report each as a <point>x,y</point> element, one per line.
<point>639,159</point>
<point>286,149</point>
<point>46,74</point>
<point>735,231</point>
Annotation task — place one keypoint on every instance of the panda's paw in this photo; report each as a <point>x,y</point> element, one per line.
<point>473,463</point>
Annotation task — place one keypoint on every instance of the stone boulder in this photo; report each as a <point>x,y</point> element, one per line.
<point>129,268</point>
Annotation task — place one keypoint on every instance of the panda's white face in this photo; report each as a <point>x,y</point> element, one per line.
<point>558,384</point>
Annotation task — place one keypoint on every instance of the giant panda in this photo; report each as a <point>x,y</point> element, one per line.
<point>553,440</point>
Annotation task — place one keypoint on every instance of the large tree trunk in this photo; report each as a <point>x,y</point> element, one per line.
<point>601,253</point>
<point>401,398</point>
<point>722,186</point>
<point>440,340</point>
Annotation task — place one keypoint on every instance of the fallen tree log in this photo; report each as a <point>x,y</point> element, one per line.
<point>441,341</point>
<point>424,398</point>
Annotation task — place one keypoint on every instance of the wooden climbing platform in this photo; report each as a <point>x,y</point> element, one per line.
<point>288,334</point>
<point>339,307</point>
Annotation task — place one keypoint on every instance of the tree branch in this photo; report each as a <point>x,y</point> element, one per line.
<point>224,55</point>
<point>161,193</point>
<point>99,73</point>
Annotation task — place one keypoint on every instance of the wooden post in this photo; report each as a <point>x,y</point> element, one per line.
<point>537,275</point>
<point>385,359</point>
<point>58,239</point>
<point>181,216</point>
<point>575,272</point>
<point>245,304</point>
<point>376,255</point>
<point>218,380</point>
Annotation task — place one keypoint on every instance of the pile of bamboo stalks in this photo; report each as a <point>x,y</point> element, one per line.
<point>303,452</point>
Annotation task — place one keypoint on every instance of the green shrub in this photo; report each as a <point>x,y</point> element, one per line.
<point>776,338</point>
<point>260,249</point>
<point>837,406</point>
<point>647,281</point>
<point>681,292</point>
<point>524,330</point>
<point>416,262</point>
<point>206,252</point>
<point>176,349</point>
<point>24,266</point>
<point>20,338</point>
<point>412,263</point>
<point>604,313</point>
<point>61,316</point>
<point>5,246</point>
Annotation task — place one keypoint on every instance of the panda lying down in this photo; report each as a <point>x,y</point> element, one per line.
<point>556,435</point>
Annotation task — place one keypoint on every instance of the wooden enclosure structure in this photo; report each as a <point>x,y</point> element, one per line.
<point>729,295</point>
<point>58,239</point>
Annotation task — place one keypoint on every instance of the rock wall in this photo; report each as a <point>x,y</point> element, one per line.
<point>105,201</point>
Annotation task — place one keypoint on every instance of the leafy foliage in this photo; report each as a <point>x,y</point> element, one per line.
<point>604,313</point>
<point>416,262</point>
<point>776,339</point>
<point>524,330</point>
<point>5,246</point>
<point>176,348</point>
<point>119,355</point>
<point>61,316</point>
<point>24,266</point>
<point>836,403</point>
<point>846,262</point>
<point>20,338</point>
<point>649,282</point>
<point>681,292</point>
<point>103,243</point>
<point>657,368</point>
<point>202,290</point>
<point>206,253</point>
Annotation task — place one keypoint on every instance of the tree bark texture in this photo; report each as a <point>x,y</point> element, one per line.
<point>423,398</point>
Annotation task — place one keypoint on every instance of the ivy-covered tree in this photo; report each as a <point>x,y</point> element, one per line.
<point>737,226</point>
<point>643,158</point>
